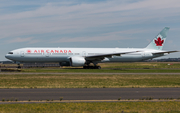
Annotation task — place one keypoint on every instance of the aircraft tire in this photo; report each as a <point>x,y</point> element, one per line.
<point>92,67</point>
<point>98,67</point>
<point>84,67</point>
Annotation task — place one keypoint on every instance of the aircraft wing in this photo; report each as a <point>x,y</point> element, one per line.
<point>102,56</point>
<point>164,52</point>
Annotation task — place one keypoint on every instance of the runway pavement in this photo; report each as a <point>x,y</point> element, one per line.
<point>32,73</point>
<point>89,93</point>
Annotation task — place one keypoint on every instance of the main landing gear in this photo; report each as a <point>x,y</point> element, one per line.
<point>19,66</point>
<point>91,67</point>
<point>88,66</point>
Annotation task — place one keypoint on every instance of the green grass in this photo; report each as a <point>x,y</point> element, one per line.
<point>96,81</point>
<point>133,65</point>
<point>87,81</point>
<point>137,67</point>
<point>102,107</point>
<point>141,65</point>
<point>55,70</point>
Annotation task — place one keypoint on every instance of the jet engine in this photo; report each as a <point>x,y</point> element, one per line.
<point>77,61</point>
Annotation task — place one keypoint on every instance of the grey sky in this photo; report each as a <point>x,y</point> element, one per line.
<point>87,23</point>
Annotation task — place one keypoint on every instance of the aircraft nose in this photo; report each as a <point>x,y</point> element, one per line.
<point>7,56</point>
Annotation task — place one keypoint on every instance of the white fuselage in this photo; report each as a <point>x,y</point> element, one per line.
<point>63,54</point>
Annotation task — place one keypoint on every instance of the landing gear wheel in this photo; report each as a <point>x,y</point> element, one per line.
<point>98,67</point>
<point>84,67</point>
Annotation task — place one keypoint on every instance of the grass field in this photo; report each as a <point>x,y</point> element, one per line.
<point>45,70</point>
<point>60,80</point>
<point>102,107</point>
<point>142,65</point>
<point>133,65</point>
<point>87,81</point>
<point>96,80</point>
<point>137,67</point>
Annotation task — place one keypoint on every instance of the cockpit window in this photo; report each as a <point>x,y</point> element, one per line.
<point>10,53</point>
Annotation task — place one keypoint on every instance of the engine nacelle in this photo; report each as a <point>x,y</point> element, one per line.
<point>77,61</point>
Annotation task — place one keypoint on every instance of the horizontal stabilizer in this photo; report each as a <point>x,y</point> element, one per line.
<point>164,52</point>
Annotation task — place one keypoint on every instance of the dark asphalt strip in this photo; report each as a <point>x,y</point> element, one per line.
<point>14,73</point>
<point>89,93</point>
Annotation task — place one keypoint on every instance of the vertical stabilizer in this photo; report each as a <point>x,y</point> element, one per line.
<point>159,40</point>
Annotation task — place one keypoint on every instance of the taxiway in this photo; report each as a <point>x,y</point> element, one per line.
<point>89,93</point>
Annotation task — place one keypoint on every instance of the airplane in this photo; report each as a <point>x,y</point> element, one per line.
<point>77,57</point>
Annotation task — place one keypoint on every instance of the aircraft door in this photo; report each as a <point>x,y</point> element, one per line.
<point>143,54</point>
<point>114,55</point>
<point>22,53</point>
<point>47,54</point>
<point>83,53</point>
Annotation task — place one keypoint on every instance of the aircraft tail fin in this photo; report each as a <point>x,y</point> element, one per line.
<point>159,40</point>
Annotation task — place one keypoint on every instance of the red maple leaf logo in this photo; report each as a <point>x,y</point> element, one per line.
<point>159,42</point>
<point>28,51</point>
